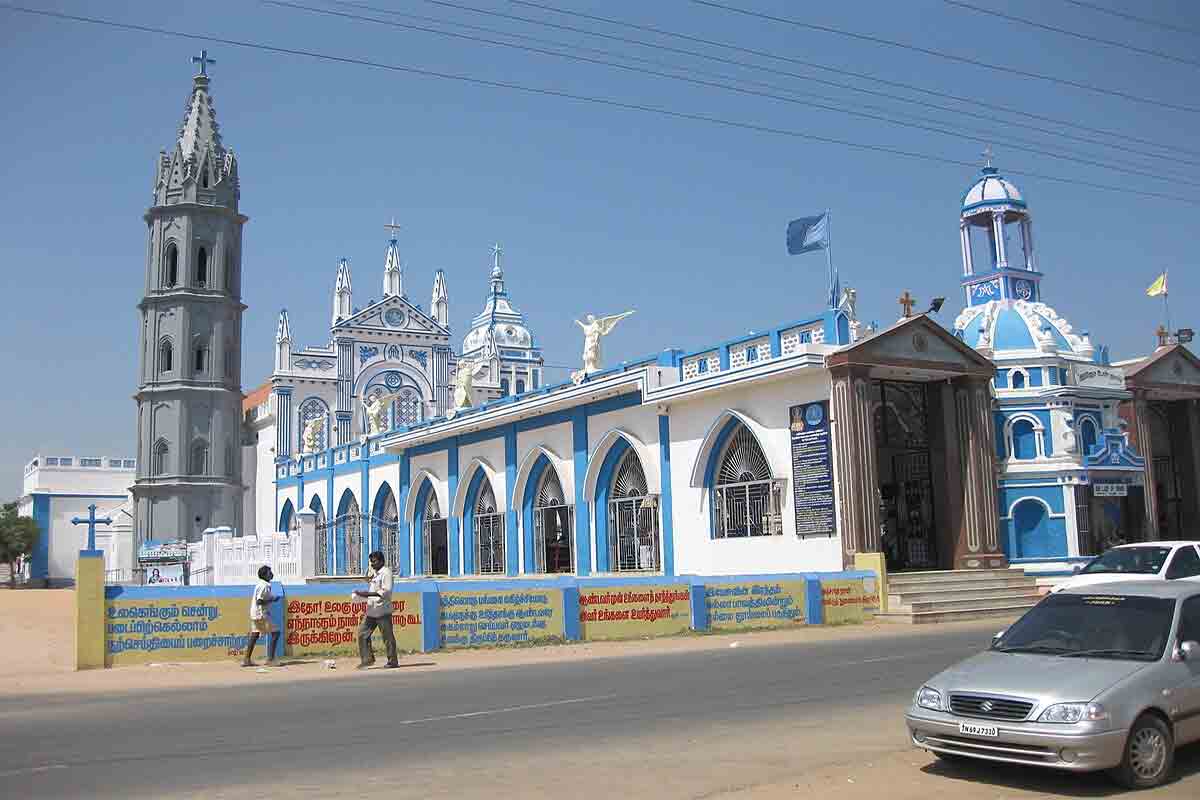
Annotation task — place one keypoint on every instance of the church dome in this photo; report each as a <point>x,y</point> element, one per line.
<point>1002,326</point>
<point>499,321</point>
<point>991,190</point>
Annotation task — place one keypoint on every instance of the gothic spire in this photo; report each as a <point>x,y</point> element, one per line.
<point>393,271</point>
<point>284,332</point>
<point>199,168</point>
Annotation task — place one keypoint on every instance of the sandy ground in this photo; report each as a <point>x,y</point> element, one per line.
<point>36,629</point>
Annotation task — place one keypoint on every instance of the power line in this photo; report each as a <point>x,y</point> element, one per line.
<point>813,65</point>
<point>1133,18</point>
<point>601,101</point>
<point>951,57</point>
<point>923,126</point>
<point>1076,34</point>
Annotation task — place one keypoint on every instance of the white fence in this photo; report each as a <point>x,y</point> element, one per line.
<point>222,559</point>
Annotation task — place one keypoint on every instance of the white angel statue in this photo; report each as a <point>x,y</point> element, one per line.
<point>464,382</point>
<point>312,434</point>
<point>377,412</point>
<point>593,331</point>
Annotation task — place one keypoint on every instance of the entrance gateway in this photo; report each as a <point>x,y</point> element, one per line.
<point>914,450</point>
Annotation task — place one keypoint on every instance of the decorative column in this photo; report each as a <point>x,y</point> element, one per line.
<point>998,232</point>
<point>964,235</point>
<point>1027,240</point>
<point>283,421</point>
<point>345,379</point>
<point>1145,447</point>
<point>978,538</point>
<point>856,475</point>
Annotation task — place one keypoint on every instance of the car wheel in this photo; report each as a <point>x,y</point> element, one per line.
<point>1149,754</point>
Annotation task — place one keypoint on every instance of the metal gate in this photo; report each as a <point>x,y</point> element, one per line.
<point>633,542</point>
<point>552,549</point>
<point>349,562</point>
<point>324,531</point>
<point>489,533</point>
<point>432,513</point>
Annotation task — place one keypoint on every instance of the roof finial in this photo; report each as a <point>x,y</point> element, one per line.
<point>987,154</point>
<point>393,226</point>
<point>496,252</point>
<point>203,60</point>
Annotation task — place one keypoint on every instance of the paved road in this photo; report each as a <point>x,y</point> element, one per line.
<point>671,725</point>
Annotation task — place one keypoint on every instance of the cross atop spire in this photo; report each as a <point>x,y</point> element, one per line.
<point>907,301</point>
<point>496,253</point>
<point>392,227</point>
<point>987,154</point>
<point>203,60</point>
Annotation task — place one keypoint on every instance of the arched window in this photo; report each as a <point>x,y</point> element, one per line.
<point>1024,440</point>
<point>504,387</point>
<point>322,531</point>
<point>287,518</point>
<point>745,498</point>
<point>204,178</point>
<point>313,433</point>
<point>385,526</point>
<point>166,356</point>
<point>435,551</point>
<point>202,267</point>
<point>488,526</point>
<point>1018,379</point>
<point>229,466</point>
<point>198,464</point>
<point>633,539</point>
<point>161,457</point>
<point>228,271</point>
<point>200,360</point>
<point>520,386</point>
<point>1087,434</point>
<point>171,266</point>
<point>553,520</point>
<point>349,536</point>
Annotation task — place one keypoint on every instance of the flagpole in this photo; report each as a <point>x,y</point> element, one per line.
<point>1166,301</point>
<point>829,255</point>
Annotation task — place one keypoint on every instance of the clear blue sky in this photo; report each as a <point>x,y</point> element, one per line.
<point>598,209</point>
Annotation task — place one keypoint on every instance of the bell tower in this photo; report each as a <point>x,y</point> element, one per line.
<point>189,397</point>
<point>997,241</point>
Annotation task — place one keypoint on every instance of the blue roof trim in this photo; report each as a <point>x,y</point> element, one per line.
<point>1059,339</point>
<point>1011,332</point>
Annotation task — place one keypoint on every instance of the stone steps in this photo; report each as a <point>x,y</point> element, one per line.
<point>957,595</point>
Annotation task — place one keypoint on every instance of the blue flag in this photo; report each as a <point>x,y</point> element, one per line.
<point>807,234</point>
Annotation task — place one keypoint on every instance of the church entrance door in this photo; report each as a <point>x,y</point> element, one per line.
<point>439,547</point>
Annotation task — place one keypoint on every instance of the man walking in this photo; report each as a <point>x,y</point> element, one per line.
<point>379,614</point>
<point>260,617</point>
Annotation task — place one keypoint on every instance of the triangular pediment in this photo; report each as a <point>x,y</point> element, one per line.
<point>1173,365</point>
<point>395,314</point>
<point>917,343</point>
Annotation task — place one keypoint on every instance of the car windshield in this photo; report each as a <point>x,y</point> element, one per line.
<point>1092,625</point>
<point>1129,560</point>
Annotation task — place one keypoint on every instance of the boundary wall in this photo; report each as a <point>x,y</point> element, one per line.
<point>139,625</point>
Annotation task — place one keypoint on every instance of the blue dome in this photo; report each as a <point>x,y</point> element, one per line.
<point>1019,326</point>
<point>992,191</point>
<point>1011,332</point>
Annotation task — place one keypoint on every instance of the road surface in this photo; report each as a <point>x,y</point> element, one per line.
<point>792,719</point>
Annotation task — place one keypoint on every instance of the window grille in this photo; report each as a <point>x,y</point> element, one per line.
<point>746,499</point>
<point>432,516</point>
<point>489,532</point>
<point>388,525</point>
<point>349,529</point>
<point>553,524</point>
<point>632,519</point>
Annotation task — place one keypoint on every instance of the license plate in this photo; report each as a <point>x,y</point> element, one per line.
<point>968,729</point>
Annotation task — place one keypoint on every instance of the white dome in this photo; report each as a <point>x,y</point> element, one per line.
<point>992,190</point>
<point>1019,326</point>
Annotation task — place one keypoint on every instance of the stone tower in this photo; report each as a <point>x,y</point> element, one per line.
<point>189,396</point>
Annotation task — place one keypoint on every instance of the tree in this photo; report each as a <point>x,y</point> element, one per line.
<point>17,537</point>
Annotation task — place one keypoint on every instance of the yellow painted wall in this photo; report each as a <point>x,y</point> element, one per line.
<point>203,628</point>
<point>756,604</point>
<point>846,601</point>
<point>326,624</point>
<point>500,617</point>
<point>627,612</point>
<point>89,612</point>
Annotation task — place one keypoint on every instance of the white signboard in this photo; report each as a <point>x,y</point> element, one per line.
<point>165,575</point>
<point>1110,489</point>
<point>1100,377</point>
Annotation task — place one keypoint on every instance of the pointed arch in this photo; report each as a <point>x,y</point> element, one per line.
<point>604,446</point>
<point>170,275</point>
<point>483,522</point>
<point>547,517</point>
<point>422,477</point>
<point>746,496</point>
<point>625,502</point>
<point>198,458</point>
<point>317,507</point>
<point>429,523</point>
<point>466,477</point>
<point>385,528</point>
<point>715,438</point>
<point>287,517</point>
<point>349,544</point>
<point>166,355</point>
<point>526,478</point>
<point>161,458</point>
<point>202,264</point>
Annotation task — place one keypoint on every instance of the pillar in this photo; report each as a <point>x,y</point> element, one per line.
<point>964,235</point>
<point>89,610</point>
<point>1001,248</point>
<point>1145,447</point>
<point>283,421</point>
<point>307,528</point>
<point>978,536</point>
<point>856,475</point>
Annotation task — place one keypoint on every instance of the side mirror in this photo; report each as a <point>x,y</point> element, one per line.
<point>997,636</point>
<point>1188,651</point>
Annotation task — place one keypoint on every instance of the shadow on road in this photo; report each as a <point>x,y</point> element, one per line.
<point>1066,784</point>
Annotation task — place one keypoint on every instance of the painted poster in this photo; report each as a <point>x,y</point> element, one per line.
<point>847,601</point>
<point>196,628</point>
<point>326,624</point>
<point>165,575</point>
<point>756,604</point>
<point>500,617</point>
<point>627,612</point>
<point>812,470</point>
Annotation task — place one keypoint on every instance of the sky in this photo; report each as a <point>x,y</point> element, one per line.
<point>598,208</point>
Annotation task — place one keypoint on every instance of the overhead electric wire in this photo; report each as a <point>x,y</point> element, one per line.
<point>600,101</point>
<point>1076,34</point>
<point>929,51</point>
<point>924,126</point>
<point>1134,18</point>
<point>813,65</point>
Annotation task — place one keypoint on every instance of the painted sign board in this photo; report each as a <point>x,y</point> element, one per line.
<point>164,575</point>
<point>846,601</point>
<point>141,630</point>
<point>632,611</point>
<point>1110,489</point>
<point>1098,376</point>
<point>498,617</point>
<point>326,624</point>
<point>812,470</point>
<point>756,604</point>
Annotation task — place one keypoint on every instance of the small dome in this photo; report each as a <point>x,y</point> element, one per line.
<point>1007,326</point>
<point>991,191</point>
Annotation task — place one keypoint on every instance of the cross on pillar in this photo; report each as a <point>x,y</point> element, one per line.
<point>496,252</point>
<point>907,301</point>
<point>203,60</point>
<point>91,521</point>
<point>393,227</point>
<point>1162,333</point>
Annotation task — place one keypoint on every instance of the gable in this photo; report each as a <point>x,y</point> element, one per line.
<point>1174,368</point>
<point>392,314</point>
<point>915,343</point>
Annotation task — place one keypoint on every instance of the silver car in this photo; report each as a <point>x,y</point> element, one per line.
<point>1091,678</point>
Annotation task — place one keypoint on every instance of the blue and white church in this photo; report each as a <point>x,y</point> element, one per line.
<point>1069,484</point>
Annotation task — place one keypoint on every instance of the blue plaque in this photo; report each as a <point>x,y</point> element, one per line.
<point>812,470</point>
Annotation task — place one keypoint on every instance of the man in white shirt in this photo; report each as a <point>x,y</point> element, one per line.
<point>379,614</point>
<point>260,617</point>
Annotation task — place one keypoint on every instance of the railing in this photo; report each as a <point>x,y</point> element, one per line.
<point>221,559</point>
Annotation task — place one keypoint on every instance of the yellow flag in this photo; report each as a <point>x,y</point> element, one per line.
<point>1159,287</point>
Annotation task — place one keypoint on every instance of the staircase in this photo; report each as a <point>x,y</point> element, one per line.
<point>958,595</point>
